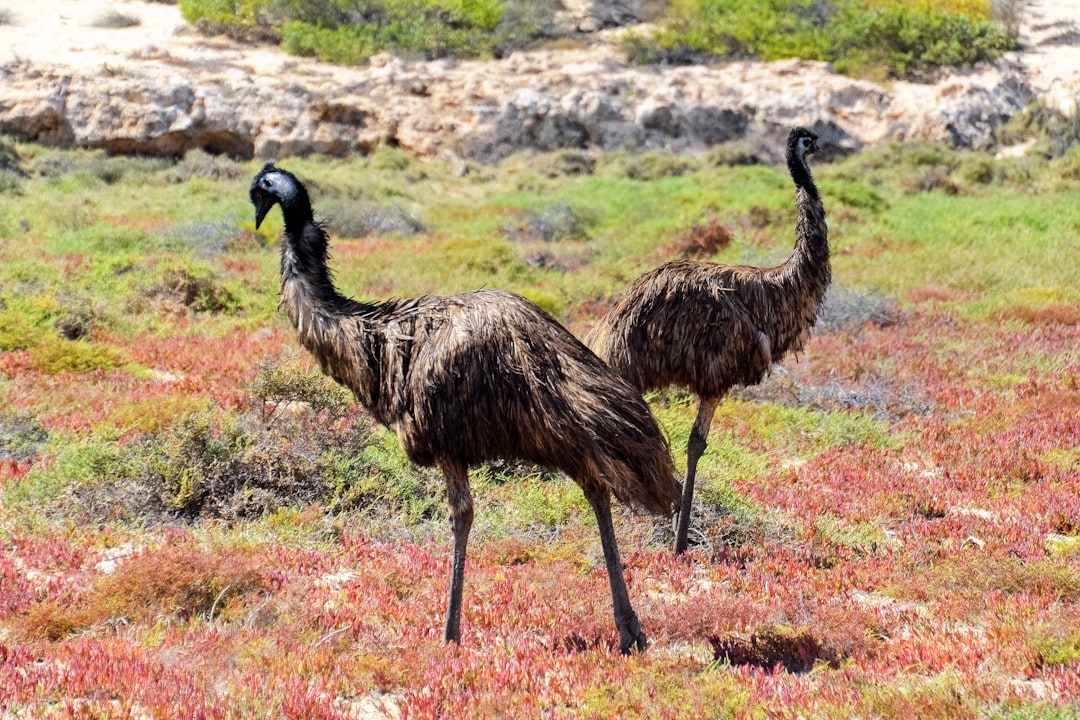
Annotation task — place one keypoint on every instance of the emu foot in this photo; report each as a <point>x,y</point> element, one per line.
<point>631,636</point>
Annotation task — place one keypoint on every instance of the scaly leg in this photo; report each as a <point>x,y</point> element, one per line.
<point>461,518</point>
<point>695,447</point>
<point>630,634</point>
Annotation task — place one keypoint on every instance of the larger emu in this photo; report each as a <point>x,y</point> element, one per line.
<point>468,378</point>
<point>708,327</point>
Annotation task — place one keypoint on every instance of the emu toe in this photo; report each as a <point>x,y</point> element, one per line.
<point>631,636</point>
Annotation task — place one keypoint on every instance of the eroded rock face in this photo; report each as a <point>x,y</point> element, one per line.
<point>485,111</point>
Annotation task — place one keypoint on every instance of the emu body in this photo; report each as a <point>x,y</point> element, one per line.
<point>708,327</point>
<point>468,378</point>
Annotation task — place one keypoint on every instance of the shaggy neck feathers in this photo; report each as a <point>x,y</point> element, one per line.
<point>806,274</point>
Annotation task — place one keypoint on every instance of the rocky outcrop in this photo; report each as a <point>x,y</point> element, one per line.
<point>485,111</point>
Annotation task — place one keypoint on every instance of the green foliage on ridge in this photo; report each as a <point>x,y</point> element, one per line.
<point>877,39</point>
<point>860,37</point>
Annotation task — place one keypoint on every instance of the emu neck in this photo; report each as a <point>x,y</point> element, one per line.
<point>811,235</point>
<point>307,290</point>
<point>804,277</point>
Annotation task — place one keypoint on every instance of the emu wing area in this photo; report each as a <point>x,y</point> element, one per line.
<point>488,375</point>
<point>688,325</point>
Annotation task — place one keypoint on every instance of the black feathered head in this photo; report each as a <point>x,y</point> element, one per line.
<point>274,185</point>
<point>802,142</point>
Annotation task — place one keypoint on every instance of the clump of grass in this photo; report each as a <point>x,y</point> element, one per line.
<point>860,537</point>
<point>1057,645</point>
<point>357,220</point>
<point>283,383</point>
<point>197,291</point>
<point>1053,131</point>
<point>54,355</point>
<point>703,241</point>
<point>21,438</point>
<point>849,309</point>
<point>938,697</point>
<point>116,20</point>
<point>796,651</point>
<point>180,581</point>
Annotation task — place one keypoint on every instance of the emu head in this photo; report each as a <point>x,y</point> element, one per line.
<point>272,186</point>
<point>802,142</point>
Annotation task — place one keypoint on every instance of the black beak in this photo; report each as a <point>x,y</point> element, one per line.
<point>263,202</point>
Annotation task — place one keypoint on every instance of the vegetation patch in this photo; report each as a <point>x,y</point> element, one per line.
<point>900,498</point>
<point>796,651</point>
<point>874,39</point>
<point>178,581</point>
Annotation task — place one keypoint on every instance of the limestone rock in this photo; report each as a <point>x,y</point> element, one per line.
<point>584,99</point>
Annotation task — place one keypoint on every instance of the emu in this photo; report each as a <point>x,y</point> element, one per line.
<point>469,378</point>
<point>707,327</point>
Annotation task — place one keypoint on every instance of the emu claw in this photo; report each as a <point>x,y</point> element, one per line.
<point>632,637</point>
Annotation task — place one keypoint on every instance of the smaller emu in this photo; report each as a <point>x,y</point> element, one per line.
<point>708,327</point>
<point>469,378</point>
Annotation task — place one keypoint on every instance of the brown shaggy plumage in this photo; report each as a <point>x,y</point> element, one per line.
<point>469,378</point>
<point>707,327</point>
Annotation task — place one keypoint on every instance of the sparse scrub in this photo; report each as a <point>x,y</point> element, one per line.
<point>353,34</point>
<point>848,309</point>
<point>181,582</point>
<point>198,292</point>
<point>21,438</point>
<point>53,356</point>
<point>287,384</point>
<point>115,20</point>
<point>1054,133</point>
<point>357,220</point>
<point>903,493</point>
<point>875,39</point>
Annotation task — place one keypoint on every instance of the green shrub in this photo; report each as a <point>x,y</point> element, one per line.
<point>858,37</point>
<point>350,33</point>
<point>54,355</point>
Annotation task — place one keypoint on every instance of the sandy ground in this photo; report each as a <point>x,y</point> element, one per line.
<point>70,33</point>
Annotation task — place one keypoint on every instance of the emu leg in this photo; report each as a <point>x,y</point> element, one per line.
<point>461,518</point>
<point>630,634</point>
<point>695,447</point>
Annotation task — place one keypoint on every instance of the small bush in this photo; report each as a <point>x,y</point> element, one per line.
<point>1055,132</point>
<point>847,309</point>
<point>357,220</point>
<point>796,651</point>
<point>553,224</point>
<point>194,290</point>
<point>21,438</point>
<point>115,20</point>
<point>19,330</point>
<point>337,32</point>
<point>701,242</point>
<point>178,580</point>
<point>54,355</point>
<point>282,384</point>
<point>201,164</point>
